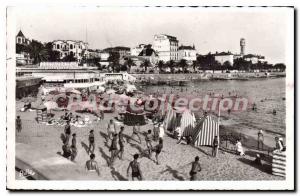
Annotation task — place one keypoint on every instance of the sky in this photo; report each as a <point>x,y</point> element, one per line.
<point>266,30</point>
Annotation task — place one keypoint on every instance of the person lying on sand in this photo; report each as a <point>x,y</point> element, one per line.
<point>91,165</point>
<point>135,169</point>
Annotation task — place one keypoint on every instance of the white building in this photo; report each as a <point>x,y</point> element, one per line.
<point>22,56</point>
<point>223,57</point>
<point>166,47</point>
<point>187,53</point>
<point>254,58</point>
<point>137,50</point>
<point>70,47</point>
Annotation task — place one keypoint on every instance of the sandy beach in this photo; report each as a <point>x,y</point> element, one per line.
<point>175,158</point>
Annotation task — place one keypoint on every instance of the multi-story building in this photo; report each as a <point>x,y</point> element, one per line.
<point>223,57</point>
<point>70,47</point>
<point>137,50</point>
<point>123,51</point>
<point>166,47</point>
<point>187,53</point>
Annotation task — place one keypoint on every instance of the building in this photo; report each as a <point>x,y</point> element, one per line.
<point>137,50</point>
<point>243,46</point>
<point>254,59</point>
<point>187,53</point>
<point>148,54</point>
<point>223,57</point>
<point>22,55</point>
<point>23,58</point>
<point>166,47</point>
<point>21,39</point>
<point>70,47</point>
<point>121,50</point>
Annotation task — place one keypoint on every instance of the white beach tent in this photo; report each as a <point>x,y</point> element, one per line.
<point>187,123</point>
<point>205,131</point>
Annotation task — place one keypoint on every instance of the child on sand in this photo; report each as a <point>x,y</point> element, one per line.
<point>195,169</point>
<point>135,168</point>
<point>239,148</point>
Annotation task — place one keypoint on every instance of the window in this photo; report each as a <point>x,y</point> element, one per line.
<point>57,46</point>
<point>71,46</point>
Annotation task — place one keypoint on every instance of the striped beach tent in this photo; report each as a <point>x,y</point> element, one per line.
<point>278,163</point>
<point>187,123</point>
<point>205,131</point>
<point>170,118</point>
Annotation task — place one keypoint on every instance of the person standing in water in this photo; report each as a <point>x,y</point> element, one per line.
<point>195,169</point>
<point>91,165</point>
<point>135,169</point>
<point>67,132</point>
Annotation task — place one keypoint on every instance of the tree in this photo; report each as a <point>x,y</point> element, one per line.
<point>280,66</point>
<point>124,68</point>
<point>69,58</point>
<point>207,62</point>
<point>171,65</point>
<point>161,65</point>
<point>226,66</point>
<point>146,64</point>
<point>37,52</point>
<point>130,63</point>
<point>53,55</point>
<point>21,48</point>
<point>114,60</point>
<point>241,64</point>
<point>183,64</point>
<point>195,64</point>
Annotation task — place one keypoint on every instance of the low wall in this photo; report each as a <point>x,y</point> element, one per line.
<point>47,166</point>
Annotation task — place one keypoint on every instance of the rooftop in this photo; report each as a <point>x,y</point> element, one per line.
<point>20,34</point>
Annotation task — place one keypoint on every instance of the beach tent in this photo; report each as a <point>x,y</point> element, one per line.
<point>205,131</point>
<point>187,123</point>
<point>278,163</point>
<point>170,119</point>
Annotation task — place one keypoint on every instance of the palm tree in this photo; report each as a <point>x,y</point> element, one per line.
<point>38,52</point>
<point>129,64</point>
<point>171,65</point>
<point>146,64</point>
<point>160,65</point>
<point>183,64</point>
